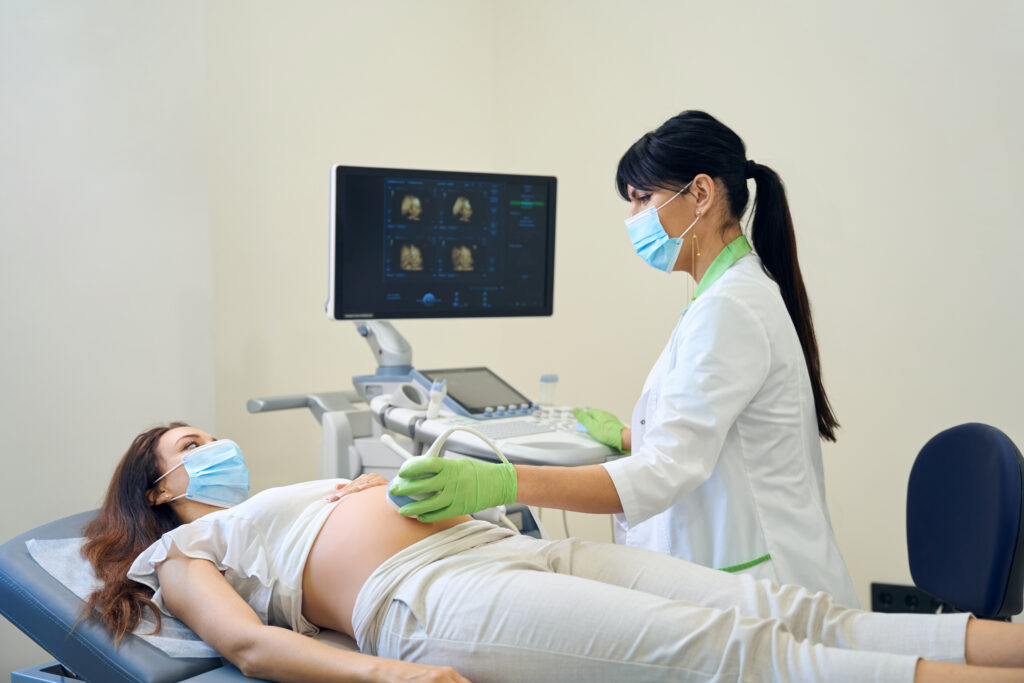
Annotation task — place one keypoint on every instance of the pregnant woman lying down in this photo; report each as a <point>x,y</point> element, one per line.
<point>463,599</point>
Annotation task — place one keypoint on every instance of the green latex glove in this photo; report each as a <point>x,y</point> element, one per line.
<point>601,425</point>
<point>462,485</point>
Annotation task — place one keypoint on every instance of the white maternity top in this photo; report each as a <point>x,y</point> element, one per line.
<point>260,545</point>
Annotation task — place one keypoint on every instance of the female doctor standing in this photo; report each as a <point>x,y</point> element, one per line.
<point>725,467</point>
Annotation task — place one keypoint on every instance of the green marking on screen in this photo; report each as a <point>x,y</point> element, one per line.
<point>528,203</point>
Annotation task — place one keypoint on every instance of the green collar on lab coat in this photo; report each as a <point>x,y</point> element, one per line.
<point>732,253</point>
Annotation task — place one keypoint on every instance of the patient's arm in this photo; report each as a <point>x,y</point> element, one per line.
<point>202,598</point>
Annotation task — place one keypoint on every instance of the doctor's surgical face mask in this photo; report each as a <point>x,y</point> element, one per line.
<point>217,474</point>
<point>650,240</point>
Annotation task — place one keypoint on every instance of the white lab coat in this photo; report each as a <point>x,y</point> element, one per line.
<point>726,460</point>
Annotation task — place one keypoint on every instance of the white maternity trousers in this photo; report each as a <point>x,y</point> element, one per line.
<point>500,607</point>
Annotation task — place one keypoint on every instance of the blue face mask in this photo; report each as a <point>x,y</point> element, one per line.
<point>650,240</point>
<point>217,474</point>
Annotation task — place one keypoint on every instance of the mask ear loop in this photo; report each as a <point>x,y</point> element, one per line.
<point>157,481</point>
<point>672,198</point>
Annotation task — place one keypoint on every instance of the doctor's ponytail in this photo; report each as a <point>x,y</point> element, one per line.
<point>775,243</point>
<point>695,142</point>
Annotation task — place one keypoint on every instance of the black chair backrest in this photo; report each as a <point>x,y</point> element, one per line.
<point>964,511</point>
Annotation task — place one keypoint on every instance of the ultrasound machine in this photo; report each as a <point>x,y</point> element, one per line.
<point>438,244</point>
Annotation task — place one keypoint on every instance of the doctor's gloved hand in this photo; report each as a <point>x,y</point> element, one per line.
<point>601,425</point>
<point>461,486</point>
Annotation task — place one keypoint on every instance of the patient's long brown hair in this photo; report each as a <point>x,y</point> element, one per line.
<point>125,526</point>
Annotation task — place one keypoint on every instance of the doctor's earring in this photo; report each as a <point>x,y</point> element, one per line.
<point>694,253</point>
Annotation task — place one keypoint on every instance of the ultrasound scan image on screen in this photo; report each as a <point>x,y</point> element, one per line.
<point>438,244</point>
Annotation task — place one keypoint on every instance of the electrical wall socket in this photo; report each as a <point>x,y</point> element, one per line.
<point>894,597</point>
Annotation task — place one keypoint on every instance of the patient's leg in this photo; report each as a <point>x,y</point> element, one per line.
<point>943,672</point>
<point>496,615</point>
<point>811,616</point>
<point>995,643</point>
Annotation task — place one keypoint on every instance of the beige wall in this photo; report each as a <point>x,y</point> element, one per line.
<point>105,261</point>
<point>896,130</point>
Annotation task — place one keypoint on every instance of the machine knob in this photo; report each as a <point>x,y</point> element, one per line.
<point>429,299</point>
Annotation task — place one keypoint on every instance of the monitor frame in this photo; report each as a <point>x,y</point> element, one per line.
<point>334,303</point>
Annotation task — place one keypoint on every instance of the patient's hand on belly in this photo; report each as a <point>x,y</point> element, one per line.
<point>359,535</point>
<point>360,483</point>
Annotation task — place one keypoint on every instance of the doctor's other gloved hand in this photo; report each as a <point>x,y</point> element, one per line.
<point>601,425</point>
<point>462,485</point>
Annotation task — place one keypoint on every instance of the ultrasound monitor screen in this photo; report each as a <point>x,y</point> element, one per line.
<point>440,244</point>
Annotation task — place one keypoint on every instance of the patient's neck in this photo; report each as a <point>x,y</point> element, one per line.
<point>190,510</point>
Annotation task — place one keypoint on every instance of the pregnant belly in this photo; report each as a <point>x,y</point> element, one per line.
<point>361,533</point>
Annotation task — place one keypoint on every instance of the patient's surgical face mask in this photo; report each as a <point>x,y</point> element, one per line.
<point>217,474</point>
<point>650,240</point>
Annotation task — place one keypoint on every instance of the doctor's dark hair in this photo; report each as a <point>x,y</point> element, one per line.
<point>125,525</point>
<point>694,142</point>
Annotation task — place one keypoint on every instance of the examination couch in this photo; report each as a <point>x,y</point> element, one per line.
<point>47,612</point>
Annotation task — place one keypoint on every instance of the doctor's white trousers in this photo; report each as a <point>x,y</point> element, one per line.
<point>521,609</point>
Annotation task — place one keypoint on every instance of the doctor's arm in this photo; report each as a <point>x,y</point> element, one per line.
<point>197,593</point>
<point>580,489</point>
<point>461,486</point>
